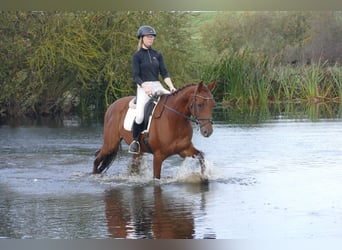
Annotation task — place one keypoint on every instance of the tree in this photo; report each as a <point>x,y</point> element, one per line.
<point>82,57</point>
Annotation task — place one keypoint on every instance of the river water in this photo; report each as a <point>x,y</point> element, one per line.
<point>280,178</point>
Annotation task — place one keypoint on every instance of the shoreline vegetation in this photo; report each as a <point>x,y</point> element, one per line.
<point>77,63</point>
<point>251,80</point>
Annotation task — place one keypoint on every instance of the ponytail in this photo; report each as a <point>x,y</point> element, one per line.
<point>140,43</point>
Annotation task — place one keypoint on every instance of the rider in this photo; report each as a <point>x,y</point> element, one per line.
<point>147,64</point>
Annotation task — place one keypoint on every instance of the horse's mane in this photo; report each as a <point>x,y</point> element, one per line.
<point>184,87</point>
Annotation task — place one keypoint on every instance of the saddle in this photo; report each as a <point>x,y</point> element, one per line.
<point>148,111</point>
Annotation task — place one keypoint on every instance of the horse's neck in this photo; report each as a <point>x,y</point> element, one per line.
<point>181,100</point>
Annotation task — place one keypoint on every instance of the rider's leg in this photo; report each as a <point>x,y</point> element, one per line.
<point>137,127</point>
<point>134,147</point>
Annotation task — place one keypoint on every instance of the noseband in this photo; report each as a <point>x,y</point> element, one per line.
<point>193,117</point>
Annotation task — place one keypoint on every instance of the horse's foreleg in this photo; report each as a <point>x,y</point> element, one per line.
<point>200,156</point>
<point>195,153</point>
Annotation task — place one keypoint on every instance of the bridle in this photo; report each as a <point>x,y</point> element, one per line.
<point>194,116</point>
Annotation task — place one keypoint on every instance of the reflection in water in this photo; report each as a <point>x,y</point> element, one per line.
<point>246,115</point>
<point>49,217</point>
<point>148,212</point>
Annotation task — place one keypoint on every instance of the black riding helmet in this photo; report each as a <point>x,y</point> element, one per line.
<point>146,30</point>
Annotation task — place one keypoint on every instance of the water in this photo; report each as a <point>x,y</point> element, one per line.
<point>277,179</point>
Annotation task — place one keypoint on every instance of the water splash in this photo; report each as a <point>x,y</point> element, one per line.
<point>190,172</point>
<point>185,171</point>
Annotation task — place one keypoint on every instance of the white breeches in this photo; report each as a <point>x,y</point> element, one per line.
<point>143,98</point>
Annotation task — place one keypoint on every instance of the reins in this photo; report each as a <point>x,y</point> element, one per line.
<point>193,118</point>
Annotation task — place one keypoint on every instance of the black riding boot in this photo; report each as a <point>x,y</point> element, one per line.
<point>134,147</point>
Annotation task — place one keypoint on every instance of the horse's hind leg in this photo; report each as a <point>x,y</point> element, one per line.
<point>97,161</point>
<point>134,166</point>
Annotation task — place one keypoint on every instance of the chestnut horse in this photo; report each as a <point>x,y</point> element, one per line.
<point>170,130</point>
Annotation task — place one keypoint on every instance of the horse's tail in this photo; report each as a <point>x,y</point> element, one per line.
<point>97,152</point>
<point>107,161</point>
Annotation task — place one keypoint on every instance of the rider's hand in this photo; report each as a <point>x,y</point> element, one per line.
<point>172,89</point>
<point>147,89</point>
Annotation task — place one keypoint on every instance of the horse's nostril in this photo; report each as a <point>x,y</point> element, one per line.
<point>206,132</point>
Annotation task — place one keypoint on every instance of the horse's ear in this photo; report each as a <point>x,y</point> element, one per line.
<point>212,85</point>
<point>200,86</point>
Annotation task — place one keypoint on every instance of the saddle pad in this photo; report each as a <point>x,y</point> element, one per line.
<point>130,115</point>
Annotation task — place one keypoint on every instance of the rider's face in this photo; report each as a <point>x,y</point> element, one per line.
<point>148,40</point>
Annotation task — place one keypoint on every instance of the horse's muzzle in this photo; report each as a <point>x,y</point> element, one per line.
<point>206,129</point>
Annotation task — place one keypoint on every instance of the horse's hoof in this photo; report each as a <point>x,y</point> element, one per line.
<point>156,181</point>
<point>204,180</point>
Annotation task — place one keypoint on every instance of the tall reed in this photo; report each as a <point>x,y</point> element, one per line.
<point>248,78</point>
<point>335,75</point>
<point>313,87</point>
<point>243,77</point>
<point>286,81</point>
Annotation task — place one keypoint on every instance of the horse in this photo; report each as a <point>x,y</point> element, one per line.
<point>170,131</point>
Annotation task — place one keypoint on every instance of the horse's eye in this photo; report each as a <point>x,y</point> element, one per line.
<point>200,105</point>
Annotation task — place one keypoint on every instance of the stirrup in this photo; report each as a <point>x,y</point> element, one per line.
<point>134,147</point>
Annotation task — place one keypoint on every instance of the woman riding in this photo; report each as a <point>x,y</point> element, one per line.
<point>147,64</point>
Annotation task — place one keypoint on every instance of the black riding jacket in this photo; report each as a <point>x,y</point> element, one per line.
<point>147,64</point>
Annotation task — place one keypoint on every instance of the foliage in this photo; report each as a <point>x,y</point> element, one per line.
<point>57,61</point>
<point>270,57</point>
<point>296,36</point>
<point>80,61</point>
